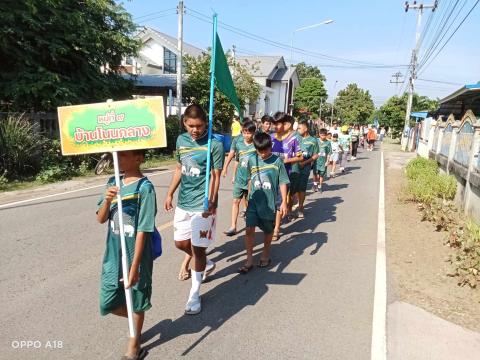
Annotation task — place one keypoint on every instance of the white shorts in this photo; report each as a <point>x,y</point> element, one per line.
<point>192,225</point>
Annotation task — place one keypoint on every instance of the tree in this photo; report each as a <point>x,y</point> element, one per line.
<point>53,51</point>
<point>392,113</point>
<point>311,91</point>
<point>354,105</point>
<point>197,89</point>
<point>309,95</point>
<point>305,71</point>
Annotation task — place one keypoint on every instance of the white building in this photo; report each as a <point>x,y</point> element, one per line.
<point>156,66</point>
<point>277,83</point>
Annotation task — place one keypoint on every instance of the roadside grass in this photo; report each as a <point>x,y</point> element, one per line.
<point>154,161</point>
<point>434,193</point>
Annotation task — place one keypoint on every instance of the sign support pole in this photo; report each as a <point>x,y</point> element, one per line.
<point>128,292</point>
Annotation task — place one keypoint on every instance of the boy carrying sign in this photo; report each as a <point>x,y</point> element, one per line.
<point>139,210</point>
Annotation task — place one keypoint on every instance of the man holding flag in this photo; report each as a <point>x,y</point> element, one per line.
<point>197,156</point>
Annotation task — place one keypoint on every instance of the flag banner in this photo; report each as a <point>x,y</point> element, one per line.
<point>112,126</point>
<point>223,78</point>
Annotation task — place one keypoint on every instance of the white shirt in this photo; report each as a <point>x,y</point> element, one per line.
<point>335,131</point>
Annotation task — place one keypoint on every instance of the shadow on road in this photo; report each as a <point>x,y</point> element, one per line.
<point>231,297</point>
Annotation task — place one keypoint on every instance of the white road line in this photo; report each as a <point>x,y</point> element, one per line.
<point>379,336</point>
<point>70,192</point>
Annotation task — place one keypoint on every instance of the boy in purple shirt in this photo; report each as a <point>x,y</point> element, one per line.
<point>286,146</point>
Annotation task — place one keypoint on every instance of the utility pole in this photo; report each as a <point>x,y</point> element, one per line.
<point>180,11</point>
<point>397,76</point>
<point>333,102</point>
<point>234,49</point>
<point>413,63</point>
<point>320,109</point>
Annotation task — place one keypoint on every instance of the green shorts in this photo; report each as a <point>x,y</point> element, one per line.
<point>303,181</point>
<point>239,192</point>
<point>294,182</point>
<point>321,171</point>
<point>112,298</point>
<point>253,220</point>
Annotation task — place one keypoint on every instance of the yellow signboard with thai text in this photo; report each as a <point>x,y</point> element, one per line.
<point>112,126</point>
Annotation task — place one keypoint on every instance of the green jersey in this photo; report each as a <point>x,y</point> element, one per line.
<point>309,146</point>
<point>242,152</point>
<point>139,209</point>
<point>192,155</point>
<point>265,176</point>
<point>344,141</point>
<point>324,149</point>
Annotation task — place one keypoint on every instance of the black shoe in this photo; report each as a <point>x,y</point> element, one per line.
<point>230,232</point>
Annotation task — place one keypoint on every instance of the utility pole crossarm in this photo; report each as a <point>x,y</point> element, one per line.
<point>413,63</point>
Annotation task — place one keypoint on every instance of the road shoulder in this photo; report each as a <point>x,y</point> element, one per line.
<point>419,287</point>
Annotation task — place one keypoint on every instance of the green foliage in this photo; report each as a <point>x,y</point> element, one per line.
<point>426,185</point>
<point>392,113</point>
<point>309,95</point>
<point>305,71</point>
<point>466,261</point>
<point>197,89</point>
<point>53,52</point>
<point>354,105</point>
<point>19,147</point>
<point>172,126</point>
<point>420,166</point>
<point>56,167</point>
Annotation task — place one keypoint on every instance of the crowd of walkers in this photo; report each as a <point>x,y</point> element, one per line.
<point>272,165</point>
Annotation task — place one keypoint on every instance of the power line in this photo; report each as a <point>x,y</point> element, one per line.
<point>439,40</point>
<point>202,17</point>
<point>450,37</point>
<point>441,82</point>
<point>154,13</point>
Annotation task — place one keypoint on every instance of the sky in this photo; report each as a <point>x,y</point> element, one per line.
<point>378,32</point>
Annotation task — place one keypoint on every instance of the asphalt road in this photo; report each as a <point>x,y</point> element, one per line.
<point>314,302</point>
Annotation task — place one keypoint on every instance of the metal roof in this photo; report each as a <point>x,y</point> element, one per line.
<point>465,89</point>
<point>171,42</point>
<point>419,114</point>
<point>457,103</point>
<point>262,66</point>
<point>160,81</point>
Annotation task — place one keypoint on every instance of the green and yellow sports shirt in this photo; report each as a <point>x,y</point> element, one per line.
<point>309,147</point>
<point>242,152</point>
<point>265,176</point>
<point>324,149</point>
<point>192,155</point>
<point>139,205</point>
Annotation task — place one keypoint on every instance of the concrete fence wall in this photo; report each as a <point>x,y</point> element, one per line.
<point>455,145</point>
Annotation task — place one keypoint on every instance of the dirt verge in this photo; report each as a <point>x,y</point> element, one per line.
<point>417,257</point>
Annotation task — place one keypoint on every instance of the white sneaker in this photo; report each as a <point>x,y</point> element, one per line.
<point>194,305</point>
<point>209,268</point>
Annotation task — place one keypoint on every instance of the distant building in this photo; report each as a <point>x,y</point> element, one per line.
<point>156,66</point>
<point>277,80</point>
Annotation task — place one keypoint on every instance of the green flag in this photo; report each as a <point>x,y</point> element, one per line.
<point>223,77</point>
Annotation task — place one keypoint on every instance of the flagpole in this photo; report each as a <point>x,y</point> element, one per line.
<point>210,111</point>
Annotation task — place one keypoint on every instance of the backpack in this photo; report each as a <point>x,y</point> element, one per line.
<point>156,241</point>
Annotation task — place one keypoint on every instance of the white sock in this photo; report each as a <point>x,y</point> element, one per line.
<point>196,282</point>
